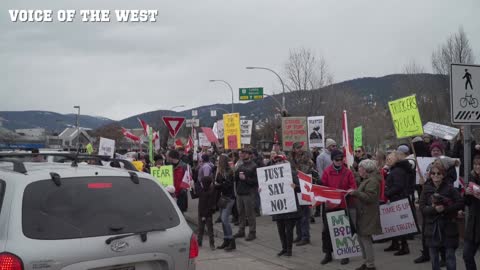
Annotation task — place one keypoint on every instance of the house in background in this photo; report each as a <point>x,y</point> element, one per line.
<point>70,136</point>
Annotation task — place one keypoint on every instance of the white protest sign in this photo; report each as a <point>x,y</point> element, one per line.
<point>276,193</point>
<point>203,140</point>
<point>246,131</point>
<point>440,131</point>
<point>220,129</point>
<point>106,147</point>
<point>345,245</point>
<point>396,219</point>
<point>316,131</point>
<point>423,163</point>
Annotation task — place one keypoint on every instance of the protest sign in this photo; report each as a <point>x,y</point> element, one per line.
<point>231,130</point>
<point>246,131</point>
<point>294,129</point>
<point>203,140</point>
<point>396,219</point>
<point>357,137</point>
<point>164,174</point>
<point>106,147</point>
<point>345,245</point>
<point>89,148</point>
<point>423,163</point>
<point>405,117</point>
<point>316,131</point>
<point>440,131</point>
<point>276,193</point>
<point>220,129</point>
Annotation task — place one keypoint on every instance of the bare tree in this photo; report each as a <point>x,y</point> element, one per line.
<point>455,50</point>
<point>413,67</point>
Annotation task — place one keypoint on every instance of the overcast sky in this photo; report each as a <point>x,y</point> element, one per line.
<point>118,70</point>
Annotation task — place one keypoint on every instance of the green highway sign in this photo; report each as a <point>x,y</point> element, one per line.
<point>254,93</point>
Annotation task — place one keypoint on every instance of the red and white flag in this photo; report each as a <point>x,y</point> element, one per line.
<point>130,135</point>
<point>189,144</point>
<point>323,194</point>
<point>187,179</point>
<point>305,181</point>
<point>156,140</point>
<point>347,147</point>
<point>275,137</point>
<point>144,126</point>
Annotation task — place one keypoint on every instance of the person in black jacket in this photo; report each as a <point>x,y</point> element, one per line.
<point>396,189</point>
<point>472,230</point>
<point>206,208</point>
<point>224,185</point>
<point>440,203</point>
<point>246,184</point>
<point>286,221</point>
<point>457,151</point>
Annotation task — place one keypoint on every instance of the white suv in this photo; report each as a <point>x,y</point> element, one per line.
<point>61,216</point>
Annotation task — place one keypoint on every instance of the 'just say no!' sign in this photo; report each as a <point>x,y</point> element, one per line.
<point>276,193</point>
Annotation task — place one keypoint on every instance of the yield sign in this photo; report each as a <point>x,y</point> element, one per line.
<point>173,124</point>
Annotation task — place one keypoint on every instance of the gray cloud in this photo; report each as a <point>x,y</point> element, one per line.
<point>118,70</point>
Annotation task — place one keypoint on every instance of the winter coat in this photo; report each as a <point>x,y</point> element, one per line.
<point>224,184</point>
<point>367,206</point>
<point>472,230</point>
<point>250,184</point>
<point>178,173</point>
<point>458,153</point>
<point>396,184</point>
<point>441,229</point>
<point>296,214</point>
<point>323,161</point>
<point>303,162</point>
<point>206,169</point>
<point>207,199</point>
<point>342,179</point>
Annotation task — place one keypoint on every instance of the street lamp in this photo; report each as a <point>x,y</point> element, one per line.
<point>78,127</point>
<point>178,106</point>
<point>231,89</point>
<point>283,85</point>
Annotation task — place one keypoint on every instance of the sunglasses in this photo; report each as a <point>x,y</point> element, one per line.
<point>436,173</point>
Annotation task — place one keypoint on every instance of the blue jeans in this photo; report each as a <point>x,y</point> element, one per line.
<point>303,223</point>
<point>225,216</point>
<point>450,258</point>
<point>469,250</point>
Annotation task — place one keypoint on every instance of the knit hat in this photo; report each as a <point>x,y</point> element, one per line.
<point>437,145</point>
<point>404,149</point>
<point>329,142</point>
<point>417,139</point>
<point>448,162</point>
<point>336,154</point>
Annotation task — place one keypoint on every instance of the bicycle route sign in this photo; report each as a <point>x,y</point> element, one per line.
<point>465,94</point>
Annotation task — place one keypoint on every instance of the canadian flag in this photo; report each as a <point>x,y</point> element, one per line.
<point>144,126</point>
<point>189,144</point>
<point>275,137</point>
<point>156,140</point>
<point>187,179</point>
<point>130,135</point>
<point>305,181</point>
<point>323,194</point>
<point>347,147</point>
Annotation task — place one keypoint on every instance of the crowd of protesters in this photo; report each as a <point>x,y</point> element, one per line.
<point>227,181</point>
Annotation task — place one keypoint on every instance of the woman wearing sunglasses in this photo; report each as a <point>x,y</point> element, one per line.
<point>439,203</point>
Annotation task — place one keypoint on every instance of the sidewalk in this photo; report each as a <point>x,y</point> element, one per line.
<point>267,245</point>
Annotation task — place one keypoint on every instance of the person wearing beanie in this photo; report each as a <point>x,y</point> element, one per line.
<point>337,175</point>
<point>324,160</point>
<point>437,149</point>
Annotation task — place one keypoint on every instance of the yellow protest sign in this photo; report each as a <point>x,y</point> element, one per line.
<point>138,165</point>
<point>164,175</point>
<point>89,149</point>
<point>231,130</point>
<point>405,117</point>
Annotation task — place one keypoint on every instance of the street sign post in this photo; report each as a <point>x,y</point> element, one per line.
<point>254,93</point>
<point>465,94</point>
<point>173,124</point>
<point>195,122</point>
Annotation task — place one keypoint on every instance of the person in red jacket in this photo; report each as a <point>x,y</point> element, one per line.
<point>179,168</point>
<point>337,176</point>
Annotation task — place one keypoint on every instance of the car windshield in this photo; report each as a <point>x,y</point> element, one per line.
<point>95,206</point>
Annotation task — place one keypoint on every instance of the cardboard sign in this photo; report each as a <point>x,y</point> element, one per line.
<point>405,117</point>
<point>276,193</point>
<point>246,131</point>
<point>345,245</point>
<point>396,219</point>
<point>231,129</point>
<point>106,147</point>
<point>294,129</point>
<point>357,137</point>
<point>164,175</point>
<point>316,131</point>
<point>440,131</point>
